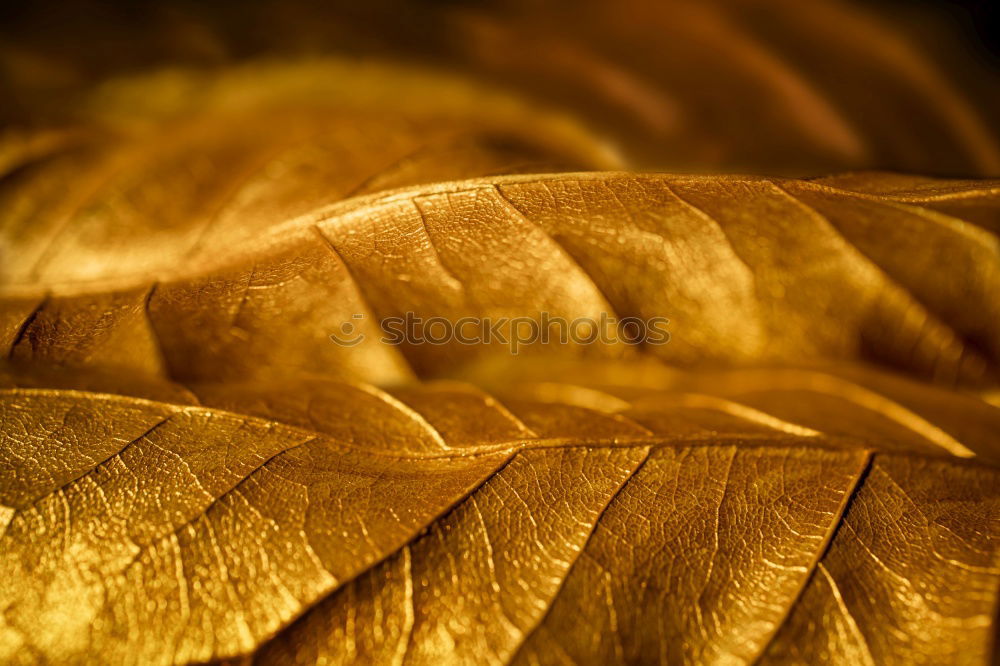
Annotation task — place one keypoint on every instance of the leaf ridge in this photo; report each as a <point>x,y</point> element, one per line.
<point>928,317</point>
<point>22,329</point>
<point>851,622</point>
<point>448,273</point>
<point>234,489</point>
<point>364,302</point>
<point>541,618</point>
<point>61,488</point>
<point>974,189</point>
<point>864,469</point>
<point>341,584</point>
<point>853,393</point>
<point>408,411</point>
<point>161,358</point>
<point>512,207</point>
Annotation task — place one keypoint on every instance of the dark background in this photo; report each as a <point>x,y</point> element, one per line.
<point>48,48</point>
<point>976,19</point>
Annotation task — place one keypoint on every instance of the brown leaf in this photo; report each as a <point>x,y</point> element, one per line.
<point>334,520</point>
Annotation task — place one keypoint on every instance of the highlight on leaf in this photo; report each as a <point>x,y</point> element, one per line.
<point>746,269</point>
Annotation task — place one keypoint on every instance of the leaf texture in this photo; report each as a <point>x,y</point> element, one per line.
<point>743,267</point>
<point>334,521</point>
<point>193,471</point>
<point>160,167</point>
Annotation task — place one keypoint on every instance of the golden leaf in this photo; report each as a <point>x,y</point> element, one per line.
<point>747,269</point>
<point>324,520</point>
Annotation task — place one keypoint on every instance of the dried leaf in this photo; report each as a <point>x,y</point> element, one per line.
<point>337,521</point>
<point>746,269</point>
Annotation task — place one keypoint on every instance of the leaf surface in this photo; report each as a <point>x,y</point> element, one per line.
<point>746,269</point>
<point>334,520</point>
